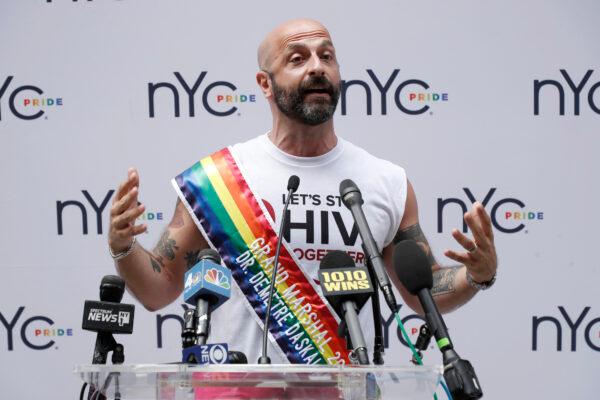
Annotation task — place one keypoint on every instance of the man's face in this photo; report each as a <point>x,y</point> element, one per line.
<point>305,79</point>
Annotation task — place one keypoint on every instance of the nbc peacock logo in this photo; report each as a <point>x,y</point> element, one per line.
<point>217,278</point>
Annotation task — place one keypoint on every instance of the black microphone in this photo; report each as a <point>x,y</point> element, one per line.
<point>413,270</point>
<point>347,288</point>
<point>292,186</point>
<point>106,317</point>
<point>352,199</point>
<point>293,183</point>
<point>188,332</point>
<point>112,288</point>
<point>236,357</point>
<point>378,346</point>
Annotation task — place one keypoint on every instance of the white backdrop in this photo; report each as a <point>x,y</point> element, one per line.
<point>97,58</point>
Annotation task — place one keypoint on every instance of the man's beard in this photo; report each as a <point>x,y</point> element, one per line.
<point>315,112</point>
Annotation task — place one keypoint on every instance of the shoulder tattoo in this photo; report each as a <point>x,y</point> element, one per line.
<point>414,232</point>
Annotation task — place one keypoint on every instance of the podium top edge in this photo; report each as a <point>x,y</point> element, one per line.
<point>253,368</point>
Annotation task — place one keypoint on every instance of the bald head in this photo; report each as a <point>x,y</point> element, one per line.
<point>279,38</point>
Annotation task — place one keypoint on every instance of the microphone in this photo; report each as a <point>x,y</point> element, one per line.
<point>293,183</point>
<point>292,186</point>
<point>188,332</point>
<point>352,199</point>
<point>207,286</point>
<point>347,288</point>
<point>378,347</point>
<point>208,354</point>
<point>237,357</point>
<point>413,270</point>
<point>106,317</point>
<point>112,288</point>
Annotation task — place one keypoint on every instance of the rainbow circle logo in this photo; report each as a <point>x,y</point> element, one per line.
<point>217,278</point>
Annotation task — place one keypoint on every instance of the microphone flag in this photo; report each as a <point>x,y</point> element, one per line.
<point>207,278</point>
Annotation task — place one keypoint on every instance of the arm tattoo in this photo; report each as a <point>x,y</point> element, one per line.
<point>443,280</point>
<point>166,250</point>
<point>414,232</point>
<point>191,257</point>
<point>156,262</point>
<point>166,246</point>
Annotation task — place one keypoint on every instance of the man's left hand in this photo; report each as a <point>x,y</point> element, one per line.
<point>480,259</point>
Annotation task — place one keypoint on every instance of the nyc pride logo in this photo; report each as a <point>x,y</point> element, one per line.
<point>217,278</point>
<point>37,332</point>
<point>380,93</point>
<point>508,214</point>
<point>196,94</point>
<point>25,102</point>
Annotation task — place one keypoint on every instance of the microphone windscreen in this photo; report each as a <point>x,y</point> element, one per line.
<point>347,185</point>
<point>112,288</point>
<point>293,183</point>
<point>350,193</point>
<point>209,254</point>
<point>336,259</point>
<point>412,267</point>
<point>113,280</point>
<point>237,357</point>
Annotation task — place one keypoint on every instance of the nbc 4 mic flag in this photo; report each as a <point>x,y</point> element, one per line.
<point>207,278</point>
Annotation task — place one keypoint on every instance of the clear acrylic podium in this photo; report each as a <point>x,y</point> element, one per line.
<point>181,381</point>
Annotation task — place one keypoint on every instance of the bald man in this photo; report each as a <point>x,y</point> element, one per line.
<point>300,78</point>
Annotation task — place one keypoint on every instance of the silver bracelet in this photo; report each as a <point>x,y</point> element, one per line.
<point>122,254</point>
<point>482,285</point>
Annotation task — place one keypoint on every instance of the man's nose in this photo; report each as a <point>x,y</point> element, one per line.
<point>315,65</point>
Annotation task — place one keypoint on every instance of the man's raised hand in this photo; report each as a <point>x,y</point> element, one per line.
<point>480,256</point>
<point>124,212</point>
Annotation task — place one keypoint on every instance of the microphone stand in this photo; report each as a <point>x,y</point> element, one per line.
<point>378,347</point>
<point>105,342</point>
<point>352,199</point>
<point>264,359</point>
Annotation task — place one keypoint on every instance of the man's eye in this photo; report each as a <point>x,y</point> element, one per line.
<point>296,59</point>
<point>327,57</point>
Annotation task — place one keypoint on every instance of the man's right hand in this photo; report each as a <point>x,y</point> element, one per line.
<point>154,277</point>
<point>124,212</point>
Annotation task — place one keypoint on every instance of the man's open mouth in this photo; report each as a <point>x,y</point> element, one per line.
<point>317,91</point>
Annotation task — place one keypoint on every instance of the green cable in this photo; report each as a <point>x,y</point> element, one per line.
<point>412,347</point>
<point>407,339</point>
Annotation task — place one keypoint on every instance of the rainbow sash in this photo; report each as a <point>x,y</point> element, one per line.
<point>235,223</point>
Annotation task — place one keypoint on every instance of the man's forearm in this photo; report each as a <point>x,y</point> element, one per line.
<point>450,288</point>
<point>147,278</point>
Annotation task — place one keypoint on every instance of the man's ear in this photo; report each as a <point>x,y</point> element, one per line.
<point>264,82</point>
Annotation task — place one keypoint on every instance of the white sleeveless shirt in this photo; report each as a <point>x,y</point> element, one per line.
<point>318,220</point>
